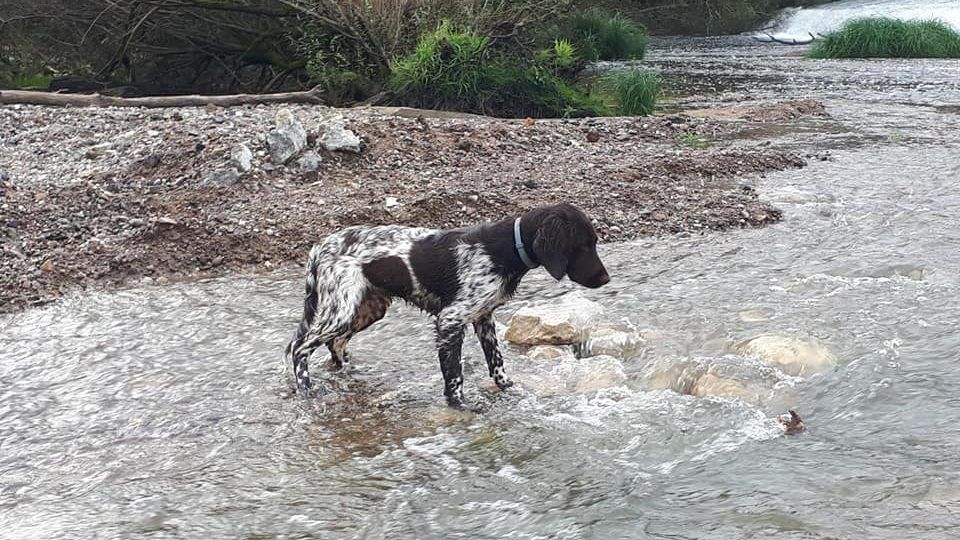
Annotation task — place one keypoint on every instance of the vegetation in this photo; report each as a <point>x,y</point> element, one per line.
<point>634,91</point>
<point>600,35</point>
<point>881,37</point>
<point>451,69</point>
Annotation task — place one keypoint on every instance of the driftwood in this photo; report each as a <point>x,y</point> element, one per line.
<point>771,39</point>
<point>11,97</point>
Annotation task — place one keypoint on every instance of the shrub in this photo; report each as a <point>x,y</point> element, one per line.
<point>599,35</point>
<point>882,37</point>
<point>634,92</point>
<point>451,69</point>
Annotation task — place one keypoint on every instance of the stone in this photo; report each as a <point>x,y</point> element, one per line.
<point>753,315</point>
<point>335,137</point>
<point>309,161</point>
<point>221,177</point>
<point>165,221</point>
<point>47,266</point>
<point>600,372</point>
<point>710,384</point>
<point>547,352</point>
<point>242,158</point>
<point>564,323</point>
<point>593,136</point>
<point>288,139</point>
<point>612,342</point>
<point>390,202</point>
<point>791,355</point>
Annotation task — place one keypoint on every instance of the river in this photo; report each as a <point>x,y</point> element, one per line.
<point>163,412</point>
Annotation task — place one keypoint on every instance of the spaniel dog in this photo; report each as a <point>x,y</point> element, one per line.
<point>459,276</point>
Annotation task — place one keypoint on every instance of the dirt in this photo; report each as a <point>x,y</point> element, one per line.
<point>105,197</point>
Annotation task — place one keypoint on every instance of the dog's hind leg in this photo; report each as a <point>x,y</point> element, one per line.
<point>371,309</point>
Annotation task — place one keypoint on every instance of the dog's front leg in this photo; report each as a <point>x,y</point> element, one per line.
<point>449,343</point>
<point>487,334</point>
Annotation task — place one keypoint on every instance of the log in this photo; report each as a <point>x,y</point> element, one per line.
<point>794,41</point>
<point>25,97</point>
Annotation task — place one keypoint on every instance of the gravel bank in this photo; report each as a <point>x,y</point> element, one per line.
<point>105,196</point>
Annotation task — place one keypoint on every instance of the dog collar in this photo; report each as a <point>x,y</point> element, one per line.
<point>518,243</point>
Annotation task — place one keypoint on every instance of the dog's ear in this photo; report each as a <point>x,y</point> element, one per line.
<point>550,246</point>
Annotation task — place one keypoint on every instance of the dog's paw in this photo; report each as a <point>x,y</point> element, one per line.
<point>503,383</point>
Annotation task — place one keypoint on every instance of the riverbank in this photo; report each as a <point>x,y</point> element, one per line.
<point>104,197</point>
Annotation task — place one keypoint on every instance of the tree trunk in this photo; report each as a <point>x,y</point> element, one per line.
<point>11,97</point>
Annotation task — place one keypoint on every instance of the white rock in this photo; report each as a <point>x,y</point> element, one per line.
<point>309,161</point>
<point>791,355</point>
<point>710,384</point>
<point>390,202</point>
<point>563,323</point>
<point>242,158</point>
<point>335,137</point>
<point>288,139</point>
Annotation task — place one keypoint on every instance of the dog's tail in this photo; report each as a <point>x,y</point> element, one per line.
<point>309,302</point>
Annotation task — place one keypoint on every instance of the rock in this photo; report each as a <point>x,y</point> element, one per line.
<point>547,352</point>
<point>564,323</point>
<point>242,158</point>
<point>710,384</point>
<point>601,372</point>
<point>47,266</point>
<point>309,161</point>
<point>166,221</point>
<point>221,177</point>
<point>593,136</point>
<point>791,355</point>
<point>390,202</point>
<point>335,137</point>
<point>288,139</point>
<point>753,315</point>
<point>611,342</point>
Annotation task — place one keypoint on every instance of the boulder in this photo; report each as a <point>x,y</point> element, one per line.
<point>221,177</point>
<point>563,323</point>
<point>335,137</point>
<point>569,375</point>
<point>791,355</point>
<point>288,139</point>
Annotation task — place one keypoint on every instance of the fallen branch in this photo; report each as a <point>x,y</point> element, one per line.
<point>794,41</point>
<point>12,97</point>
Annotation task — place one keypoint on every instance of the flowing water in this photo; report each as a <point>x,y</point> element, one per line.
<point>799,23</point>
<point>163,412</point>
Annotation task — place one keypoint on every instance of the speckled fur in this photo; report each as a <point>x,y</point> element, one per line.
<point>460,277</point>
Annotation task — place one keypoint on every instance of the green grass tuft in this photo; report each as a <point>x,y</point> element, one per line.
<point>455,70</point>
<point>598,35</point>
<point>882,37</point>
<point>633,91</point>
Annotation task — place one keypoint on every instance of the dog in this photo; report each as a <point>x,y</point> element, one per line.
<point>458,276</point>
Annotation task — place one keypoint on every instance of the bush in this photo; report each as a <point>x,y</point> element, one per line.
<point>599,35</point>
<point>882,37</point>
<point>633,91</point>
<point>455,70</point>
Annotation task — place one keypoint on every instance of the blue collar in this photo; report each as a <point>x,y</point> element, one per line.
<point>518,243</point>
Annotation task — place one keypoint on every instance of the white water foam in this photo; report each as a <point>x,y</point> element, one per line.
<point>800,23</point>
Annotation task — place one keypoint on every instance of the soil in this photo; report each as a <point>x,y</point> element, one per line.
<point>107,196</point>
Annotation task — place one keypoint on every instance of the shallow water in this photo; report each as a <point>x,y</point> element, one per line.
<point>163,412</point>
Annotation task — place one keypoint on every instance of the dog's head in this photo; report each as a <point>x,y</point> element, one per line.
<point>566,244</point>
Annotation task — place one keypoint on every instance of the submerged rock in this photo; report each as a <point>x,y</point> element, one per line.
<point>612,342</point>
<point>791,355</point>
<point>564,323</point>
<point>548,352</point>
<point>288,139</point>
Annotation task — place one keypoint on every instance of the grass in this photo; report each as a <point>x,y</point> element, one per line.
<point>692,140</point>
<point>455,70</point>
<point>882,37</point>
<point>633,91</point>
<point>31,82</point>
<point>598,35</point>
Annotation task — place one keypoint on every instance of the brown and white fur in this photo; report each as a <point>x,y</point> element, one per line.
<point>459,276</point>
